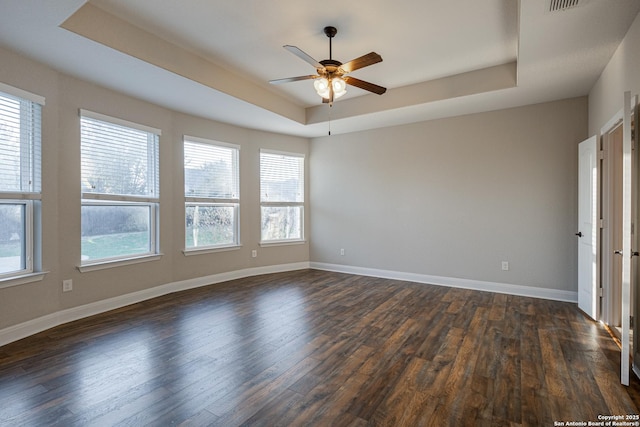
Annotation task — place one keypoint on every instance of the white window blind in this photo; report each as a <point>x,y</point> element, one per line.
<point>210,170</point>
<point>118,160</point>
<point>281,177</point>
<point>20,148</point>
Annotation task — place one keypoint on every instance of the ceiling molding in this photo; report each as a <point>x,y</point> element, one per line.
<point>93,23</point>
<point>471,83</point>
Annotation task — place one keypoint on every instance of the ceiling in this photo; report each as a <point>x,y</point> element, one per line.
<point>214,59</point>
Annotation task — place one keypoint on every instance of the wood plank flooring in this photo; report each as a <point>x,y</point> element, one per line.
<point>311,348</point>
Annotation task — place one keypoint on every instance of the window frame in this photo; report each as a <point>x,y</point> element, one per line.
<point>150,200</point>
<point>301,204</point>
<point>31,197</point>
<point>153,228</point>
<point>213,201</point>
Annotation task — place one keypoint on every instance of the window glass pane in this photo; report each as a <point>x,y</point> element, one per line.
<point>281,178</point>
<point>118,160</point>
<point>210,171</point>
<point>281,222</point>
<point>209,225</point>
<point>111,231</point>
<point>12,238</point>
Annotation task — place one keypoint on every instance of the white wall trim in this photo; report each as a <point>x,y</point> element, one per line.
<point>31,327</point>
<point>452,282</point>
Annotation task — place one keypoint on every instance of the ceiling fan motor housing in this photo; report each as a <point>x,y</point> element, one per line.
<point>331,65</point>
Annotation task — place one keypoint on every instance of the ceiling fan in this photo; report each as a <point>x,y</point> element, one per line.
<point>331,80</point>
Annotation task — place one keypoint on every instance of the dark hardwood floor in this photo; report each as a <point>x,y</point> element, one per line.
<point>318,348</point>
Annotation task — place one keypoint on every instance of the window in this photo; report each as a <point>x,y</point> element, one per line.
<point>281,196</point>
<point>120,189</point>
<point>211,194</point>
<point>20,162</point>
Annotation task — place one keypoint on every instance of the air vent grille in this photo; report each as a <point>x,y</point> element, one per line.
<point>557,5</point>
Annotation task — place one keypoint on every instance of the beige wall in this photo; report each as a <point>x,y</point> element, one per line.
<point>455,197</point>
<point>620,75</point>
<point>61,196</point>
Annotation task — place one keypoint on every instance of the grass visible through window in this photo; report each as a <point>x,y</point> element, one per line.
<point>115,245</point>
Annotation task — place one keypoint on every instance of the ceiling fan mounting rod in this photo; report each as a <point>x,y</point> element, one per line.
<point>330,32</point>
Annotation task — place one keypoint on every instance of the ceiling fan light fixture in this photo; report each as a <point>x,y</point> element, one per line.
<point>339,87</point>
<point>321,86</point>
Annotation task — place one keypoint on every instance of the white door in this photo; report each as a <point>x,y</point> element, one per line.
<point>588,226</point>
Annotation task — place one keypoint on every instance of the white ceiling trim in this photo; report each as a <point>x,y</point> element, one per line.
<point>95,24</point>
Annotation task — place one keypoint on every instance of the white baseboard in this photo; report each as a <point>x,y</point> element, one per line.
<point>31,327</point>
<point>478,285</point>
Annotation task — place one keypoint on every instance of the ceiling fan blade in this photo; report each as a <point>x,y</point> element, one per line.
<point>364,61</point>
<point>291,79</point>
<point>364,85</point>
<point>302,55</point>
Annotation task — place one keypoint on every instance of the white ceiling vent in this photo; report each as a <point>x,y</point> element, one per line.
<point>560,5</point>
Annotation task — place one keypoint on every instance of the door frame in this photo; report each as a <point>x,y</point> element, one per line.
<point>629,274</point>
<point>607,210</point>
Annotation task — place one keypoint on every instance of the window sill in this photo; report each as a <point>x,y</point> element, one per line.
<point>101,265</point>
<point>202,251</point>
<point>282,243</point>
<point>22,279</point>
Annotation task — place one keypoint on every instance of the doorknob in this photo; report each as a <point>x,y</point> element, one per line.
<point>634,253</point>
<point>579,234</point>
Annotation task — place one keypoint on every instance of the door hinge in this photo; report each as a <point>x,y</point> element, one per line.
<point>601,223</point>
<point>631,320</point>
<point>601,155</point>
<point>600,294</point>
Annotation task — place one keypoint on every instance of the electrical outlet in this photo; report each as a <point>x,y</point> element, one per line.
<point>67,285</point>
<point>254,253</point>
<point>342,251</point>
<point>505,265</point>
